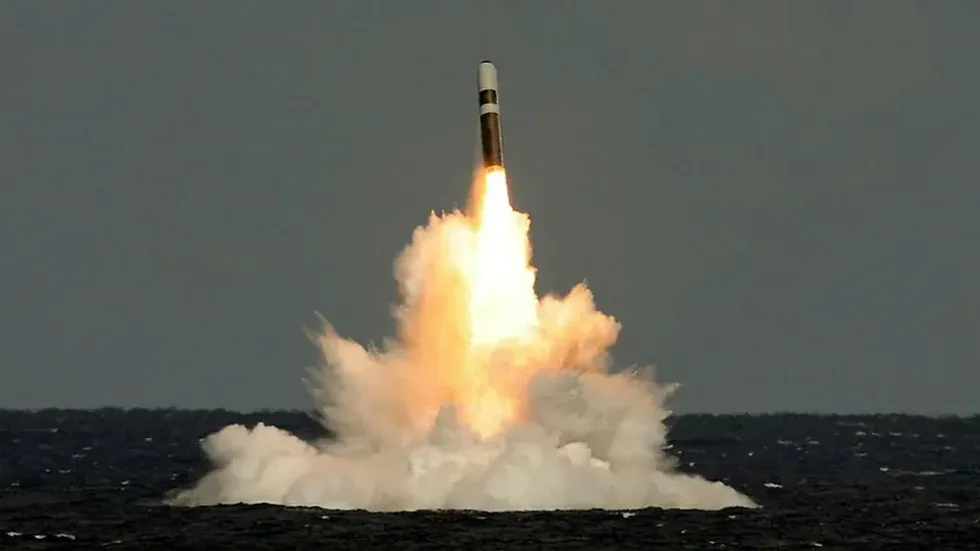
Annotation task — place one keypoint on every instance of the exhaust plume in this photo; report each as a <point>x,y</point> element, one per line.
<point>487,398</point>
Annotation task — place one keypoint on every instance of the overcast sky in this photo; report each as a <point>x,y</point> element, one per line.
<point>780,201</point>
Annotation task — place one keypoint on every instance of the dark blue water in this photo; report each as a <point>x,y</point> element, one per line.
<point>94,479</point>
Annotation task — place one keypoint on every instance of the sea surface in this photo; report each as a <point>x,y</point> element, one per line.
<point>95,479</point>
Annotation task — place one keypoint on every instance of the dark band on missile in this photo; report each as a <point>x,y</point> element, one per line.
<point>488,96</point>
<point>490,139</point>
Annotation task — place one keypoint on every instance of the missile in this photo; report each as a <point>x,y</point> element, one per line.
<point>491,139</point>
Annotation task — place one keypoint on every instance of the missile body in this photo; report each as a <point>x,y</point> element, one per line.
<point>491,138</point>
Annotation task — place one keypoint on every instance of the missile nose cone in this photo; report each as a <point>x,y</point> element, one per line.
<point>487,76</point>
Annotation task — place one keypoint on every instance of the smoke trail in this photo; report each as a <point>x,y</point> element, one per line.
<point>440,419</point>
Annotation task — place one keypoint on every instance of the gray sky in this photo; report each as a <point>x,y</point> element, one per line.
<point>779,201</point>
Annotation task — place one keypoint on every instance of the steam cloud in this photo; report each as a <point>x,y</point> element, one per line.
<point>581,437</point>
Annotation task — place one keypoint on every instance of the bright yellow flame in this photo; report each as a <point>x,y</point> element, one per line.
<point>502,306</point>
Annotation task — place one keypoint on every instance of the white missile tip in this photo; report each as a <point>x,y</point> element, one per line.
<point>487,76</point>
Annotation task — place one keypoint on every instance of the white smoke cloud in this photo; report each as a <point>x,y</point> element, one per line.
<point>582,436</point>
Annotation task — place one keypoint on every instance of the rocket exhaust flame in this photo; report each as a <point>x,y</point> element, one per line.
<point>501,299</point>
<point>489,398</point>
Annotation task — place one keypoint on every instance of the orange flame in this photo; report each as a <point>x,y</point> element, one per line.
<point>502,306</point>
